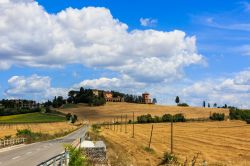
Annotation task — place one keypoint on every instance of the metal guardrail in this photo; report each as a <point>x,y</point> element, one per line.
<point>58,160</point>
<point>63,158</point>
<point>10,142</point>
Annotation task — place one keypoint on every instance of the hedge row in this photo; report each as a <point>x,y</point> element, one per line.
<point>156,119</point>
<point>238,114</point>
<point>217,116</point>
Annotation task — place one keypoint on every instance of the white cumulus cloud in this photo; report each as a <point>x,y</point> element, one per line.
<point>148,22</point>
<point>33,87</point>
<point>29,36</point>
<point>232,91</point>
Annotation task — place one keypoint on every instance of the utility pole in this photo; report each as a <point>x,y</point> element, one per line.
<point>133,125</point>
<point>151,136</point>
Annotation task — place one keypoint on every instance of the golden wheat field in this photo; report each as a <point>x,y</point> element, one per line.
<point>49,128</point>
<point>219,143</point>
<point>112,110</point>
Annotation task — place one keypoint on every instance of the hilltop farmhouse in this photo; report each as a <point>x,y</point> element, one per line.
<point>109,97</point>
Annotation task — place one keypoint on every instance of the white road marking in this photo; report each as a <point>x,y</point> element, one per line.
<point>45,146</point>
<point>38,149</point>
<point>28,153</point>
<point>0,163</point>
<point>16,157</point>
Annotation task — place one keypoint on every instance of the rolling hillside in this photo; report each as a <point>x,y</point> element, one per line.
<point>112,110</point>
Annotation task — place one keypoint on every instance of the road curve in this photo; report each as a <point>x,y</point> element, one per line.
<point>33,154</point>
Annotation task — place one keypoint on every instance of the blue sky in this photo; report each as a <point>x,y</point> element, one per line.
<point>203,60</point>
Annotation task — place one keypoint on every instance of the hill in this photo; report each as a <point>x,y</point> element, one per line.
<point>112,110</point>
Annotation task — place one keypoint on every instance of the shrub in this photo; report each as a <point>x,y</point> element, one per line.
<point>248,121</point>
<point>157,119</point>
<point>68,116</point>
<point>179,118</point>
<point>145,119</point>
<point>183,105</point>
<point>76,157</point>
<point>217,116</point>
<point>24,132</point>
<point>166,118</point>
<point>169,159</point>
<point>237,114</point>
<point>7,137</point>
<point>96,128</point>
<point>73,119</point>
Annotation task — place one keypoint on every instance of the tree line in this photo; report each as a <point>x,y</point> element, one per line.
<point>157,119</point>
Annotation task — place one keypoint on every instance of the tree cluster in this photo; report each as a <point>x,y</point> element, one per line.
<point>8,108</point>
<point>165,118</point>
<point>86,96</point>
<point>217,116</point>
<point>15,111</point>
<point>238,114</point>
<point>177,101</point>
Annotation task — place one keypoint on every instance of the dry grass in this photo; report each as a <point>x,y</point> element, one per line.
<point>49,128</point>
<point>111,110</point>
<point>220,143</point>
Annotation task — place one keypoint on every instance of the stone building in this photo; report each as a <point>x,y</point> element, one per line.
<point>17,103</point>
<point>146,98</point>
<point>108,96</point>
<point>95,92</point>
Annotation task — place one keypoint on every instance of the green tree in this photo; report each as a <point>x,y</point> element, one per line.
<point>204,104</point>
<point>154,101</point>
<point>177,100</point>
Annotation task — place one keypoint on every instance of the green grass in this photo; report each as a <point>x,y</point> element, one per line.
<point>31,118</point>
<point>65,106</point>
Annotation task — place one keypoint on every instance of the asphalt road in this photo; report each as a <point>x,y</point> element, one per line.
<point>33,154</point>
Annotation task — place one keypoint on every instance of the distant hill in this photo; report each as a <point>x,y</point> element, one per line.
<point>113,109</point>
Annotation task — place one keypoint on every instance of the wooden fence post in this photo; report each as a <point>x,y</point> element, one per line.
<point>121,124</point>
<point>133,125</point>
<point>126,121</point>
<point>117,127</point>
<point>172,141</point>
<point>151,136</point>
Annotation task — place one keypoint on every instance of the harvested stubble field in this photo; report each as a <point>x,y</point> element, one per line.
<point>49,128</point>
<point>219,143</point>
<point>112,110</point>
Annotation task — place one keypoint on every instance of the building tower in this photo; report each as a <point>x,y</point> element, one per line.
<point>146,98</point>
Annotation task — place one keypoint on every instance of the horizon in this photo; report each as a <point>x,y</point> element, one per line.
<point>199,51</point>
